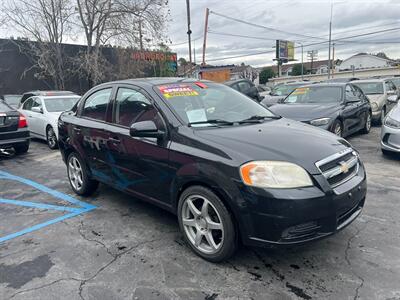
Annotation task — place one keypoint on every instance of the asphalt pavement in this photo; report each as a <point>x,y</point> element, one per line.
<point>56,245</point>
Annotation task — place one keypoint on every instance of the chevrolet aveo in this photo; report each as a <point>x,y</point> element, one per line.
<point>231,170</point>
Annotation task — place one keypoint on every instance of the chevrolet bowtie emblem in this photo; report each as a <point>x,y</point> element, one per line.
<point>344,167</point>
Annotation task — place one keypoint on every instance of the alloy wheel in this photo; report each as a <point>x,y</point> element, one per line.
<point>51,138</point>
<point>368,122</point>
<point>202,224</point>
<point>75,173</point>
<point>383,114</point>
<point>338,129</point>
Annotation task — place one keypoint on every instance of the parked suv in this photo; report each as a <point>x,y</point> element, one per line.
<point>246,87</point>
<point>382,94</point>
<point>42,112</point>
<point>225,165</point>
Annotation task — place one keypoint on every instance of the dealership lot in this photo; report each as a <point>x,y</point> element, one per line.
<point>123,248</point>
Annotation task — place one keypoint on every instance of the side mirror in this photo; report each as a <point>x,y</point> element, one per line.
<point>37,109</point>
<point>392,98</point>
<point>145,129</point>
<point>391,92</point>
<point>281,100</point>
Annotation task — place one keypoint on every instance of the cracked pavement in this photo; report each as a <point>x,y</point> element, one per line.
<point>128,249</point>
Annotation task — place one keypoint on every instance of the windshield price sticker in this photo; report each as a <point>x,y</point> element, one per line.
<point>170,91</point>
<point>301,91</point>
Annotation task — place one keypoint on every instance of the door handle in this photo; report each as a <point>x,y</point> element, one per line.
<point>114,140</point>
<point>77,129</point>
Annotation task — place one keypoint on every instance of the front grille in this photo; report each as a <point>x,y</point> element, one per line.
<point>339,167</point>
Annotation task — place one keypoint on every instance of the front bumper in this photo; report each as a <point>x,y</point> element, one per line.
<point>296,216</point>
<point>390,139</point>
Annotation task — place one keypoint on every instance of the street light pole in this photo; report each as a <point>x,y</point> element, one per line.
<point>189,32</point>
<point>330,40</point>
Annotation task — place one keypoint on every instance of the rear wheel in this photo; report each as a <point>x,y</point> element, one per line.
<point>337,128</point>
<point>22,148</point>
<point>51,138</point>
<point>206,224</point>
<point>78,176</point>
<point>367,126</point>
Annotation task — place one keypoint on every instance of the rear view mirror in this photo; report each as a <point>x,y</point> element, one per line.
<point>37,109</point>
<point>145,129</point>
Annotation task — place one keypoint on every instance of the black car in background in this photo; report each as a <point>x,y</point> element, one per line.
<point>246,87</point>
<point>341,108</point>
<point>225,165</point>
<point>14,131</point>
<point>11,100</point>
<point>279,92</point>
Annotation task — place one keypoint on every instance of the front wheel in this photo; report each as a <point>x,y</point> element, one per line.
<point>367,125</point>
<point>78,176</point>
<point>381,119</point>
<point>21,149</point>
<point>51,138</point>
<point>206,224</point>
<point>337,128</point>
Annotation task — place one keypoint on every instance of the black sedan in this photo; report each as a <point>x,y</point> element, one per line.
<point>225,165</point>
<point>246,87</point>
<point>14,131</point>
<point>12,100</point>
<point>341,108</point>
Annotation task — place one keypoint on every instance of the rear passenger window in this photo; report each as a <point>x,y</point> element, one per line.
<point>132,106</point>
<point>28,104</point>
<point>95,106</point>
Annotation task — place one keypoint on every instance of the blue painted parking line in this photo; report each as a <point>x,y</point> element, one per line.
<point>82,207</point>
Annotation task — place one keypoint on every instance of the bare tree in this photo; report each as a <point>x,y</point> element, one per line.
<point>127,23</point>
<point>46,23</point>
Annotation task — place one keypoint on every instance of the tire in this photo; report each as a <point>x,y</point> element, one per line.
<point>382,117</point>
<point>22,148</point>
<point>368,122</point>
<point>78,176</point>
<point>213,244</point>
<point>51,138</point>
<point>337,128</point>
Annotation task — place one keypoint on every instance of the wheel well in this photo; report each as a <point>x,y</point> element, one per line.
<point>47,127</point>
<point>220,196</point>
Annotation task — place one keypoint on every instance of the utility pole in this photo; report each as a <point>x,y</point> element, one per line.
<point>205,37</point>
<point>189,32</point>
<point>140,35</point>
<point>333,59</point>
<point>194,51</point>
<point>330,40</point>
<point>311,55</point>
<point>302,63</point>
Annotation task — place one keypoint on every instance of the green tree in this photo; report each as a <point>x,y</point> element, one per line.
<point>296,70</point>
<point>266,74</point>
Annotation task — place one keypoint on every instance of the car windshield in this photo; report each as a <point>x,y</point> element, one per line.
<point>284,90</point>
<point>209,104</point>
<point>370,88</point>
<point>315,94</point>
<point>60,104</point>
<point>396,81</point>
<point>12,99</point>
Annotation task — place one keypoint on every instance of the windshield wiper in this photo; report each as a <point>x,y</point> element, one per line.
<point>257,119</point>
<point>212,121</point>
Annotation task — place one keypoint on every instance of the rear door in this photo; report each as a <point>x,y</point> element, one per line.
<point>37,119</point>
<point>140,165</point>
<point>351,113</point>
<point>91,134</point>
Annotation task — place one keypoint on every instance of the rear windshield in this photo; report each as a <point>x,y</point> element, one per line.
<point>12,99</point>
<point>201,102</point>
<point>315,94</point>
<point>4,107</point>
<point>370,88</point>
<point>60,104</point>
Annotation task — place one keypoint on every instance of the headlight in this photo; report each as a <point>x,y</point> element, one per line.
<point>391,122</point>
<point>320,122</point>
<point>374,106</point>
<point>274,174</point>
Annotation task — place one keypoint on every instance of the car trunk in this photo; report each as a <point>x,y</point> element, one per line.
<point>8,118</point>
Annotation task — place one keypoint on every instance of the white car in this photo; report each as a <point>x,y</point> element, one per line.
<point>42,112</point>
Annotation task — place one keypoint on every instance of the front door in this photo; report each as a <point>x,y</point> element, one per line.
<point>351,118</point>
<point>141,165</point>
<point>93,135</point>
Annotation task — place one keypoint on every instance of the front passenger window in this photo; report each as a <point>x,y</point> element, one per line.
<point>132,106</point>
<point>95,106</point>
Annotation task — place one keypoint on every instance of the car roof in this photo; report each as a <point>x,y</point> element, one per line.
<point>49,93</point>
<point>322,84</point>
<point>229,82</point>
<point>153,81</point>
<point>370,80</point>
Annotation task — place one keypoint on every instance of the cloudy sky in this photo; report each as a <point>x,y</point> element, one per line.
<point>303,21</point>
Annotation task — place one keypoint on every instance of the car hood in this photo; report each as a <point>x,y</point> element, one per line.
<point>281,140</point>
<point>304,112</point>
<point>376,98</point>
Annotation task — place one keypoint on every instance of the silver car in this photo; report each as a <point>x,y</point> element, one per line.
<point>382,95</point>
<point>390,136</point>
